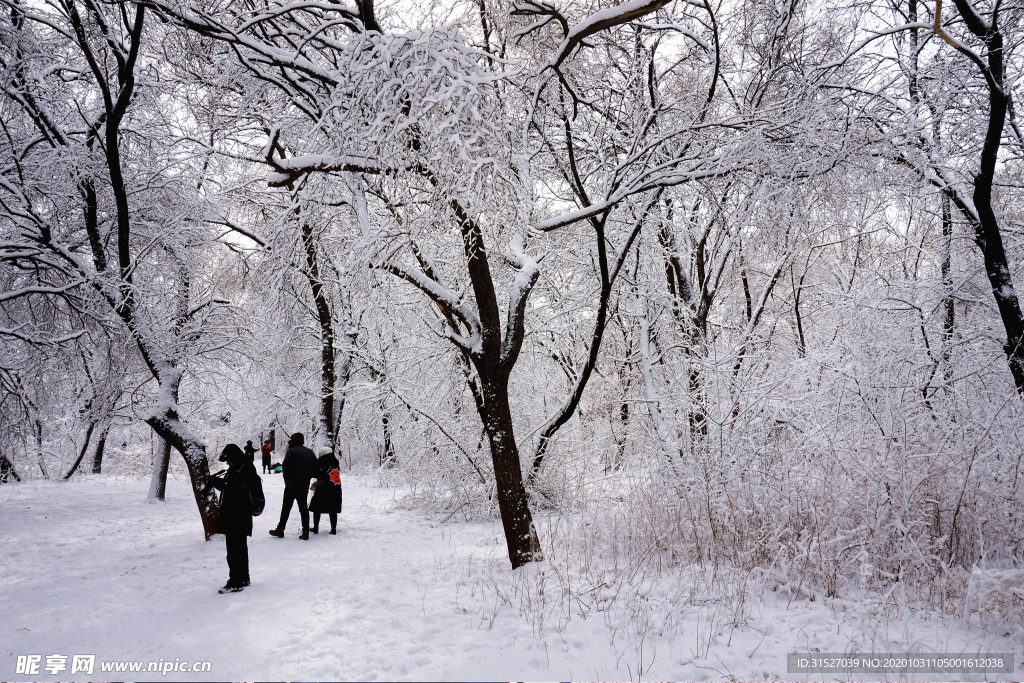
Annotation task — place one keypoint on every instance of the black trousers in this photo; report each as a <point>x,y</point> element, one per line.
<point>332,515</point>
<point>298,495</point>
<point>238,558</point>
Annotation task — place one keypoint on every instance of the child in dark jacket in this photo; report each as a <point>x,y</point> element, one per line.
<point>327,494</point>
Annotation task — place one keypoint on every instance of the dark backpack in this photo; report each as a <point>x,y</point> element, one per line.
<point>256,498</point>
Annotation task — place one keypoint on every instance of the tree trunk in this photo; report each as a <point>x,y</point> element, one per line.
<point>158,482</point>
<point>990,241</point>
<point>986,226</point>
<point>7,470</point>
<point>387,458</point>
<point>97,457</point>
<point>754,313</point>
<point>691,309</point>
<point>323,315</point>
<point>948,308</point>
<point>520,533</point>
<point>627,380</point>
<point>801,340</point>
<point>124,40</point>
<point>665,438</point>
<point>493,355</point>
<point>997,268</point>
<point>166,424</point>
<point>82,451</point>
<point>583,374</point>
<point>162,461</point>
<point>698,416</point>
<point>608,275</point>
<point>40,459</point>
<point>350,333</point>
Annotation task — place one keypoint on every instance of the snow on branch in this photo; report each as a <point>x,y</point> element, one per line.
<point>25,291</point>
<point>872,37</point>
<point>16,333</point>
<point>292,39</point>
<point>542,9</point>
<point>647,181</point>
<point>522,285</point>
<point>275,12</point>
<point>209,302</point>
<point>684,31</point>
<point>448,300</point>
<point>601,21</point>
<point>287,171</point>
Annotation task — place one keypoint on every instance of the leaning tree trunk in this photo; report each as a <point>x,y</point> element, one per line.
<point>114,281</point>
<point>983,219</point>
<point>165,421</point>
<point>82,451</point>
<point>987,233</point>
<point>608,273</point>
<point>990,241</point>
<point>97,457</point>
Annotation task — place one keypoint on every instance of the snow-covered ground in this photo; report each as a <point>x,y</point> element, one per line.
<point>88,567</point>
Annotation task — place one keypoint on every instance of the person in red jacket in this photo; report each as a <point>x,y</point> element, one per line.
<point>265,449</point>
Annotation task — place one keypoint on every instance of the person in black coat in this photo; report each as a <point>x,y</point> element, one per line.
<point>250,451</point>
<point>298,468</point>
<point>242,488</point>
<point>327,495</point>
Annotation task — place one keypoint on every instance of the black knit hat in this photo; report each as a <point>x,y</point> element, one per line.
<point>233,454</point>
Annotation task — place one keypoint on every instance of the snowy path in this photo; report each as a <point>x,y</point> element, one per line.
<point>91,569</point>
<point>88,568</point>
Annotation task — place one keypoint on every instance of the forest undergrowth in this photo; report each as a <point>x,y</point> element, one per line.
<point>915,516</point>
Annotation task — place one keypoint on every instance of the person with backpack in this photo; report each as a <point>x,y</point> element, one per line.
<point>241,501</point>
<point>327,491</point>
<point>298,468</point>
